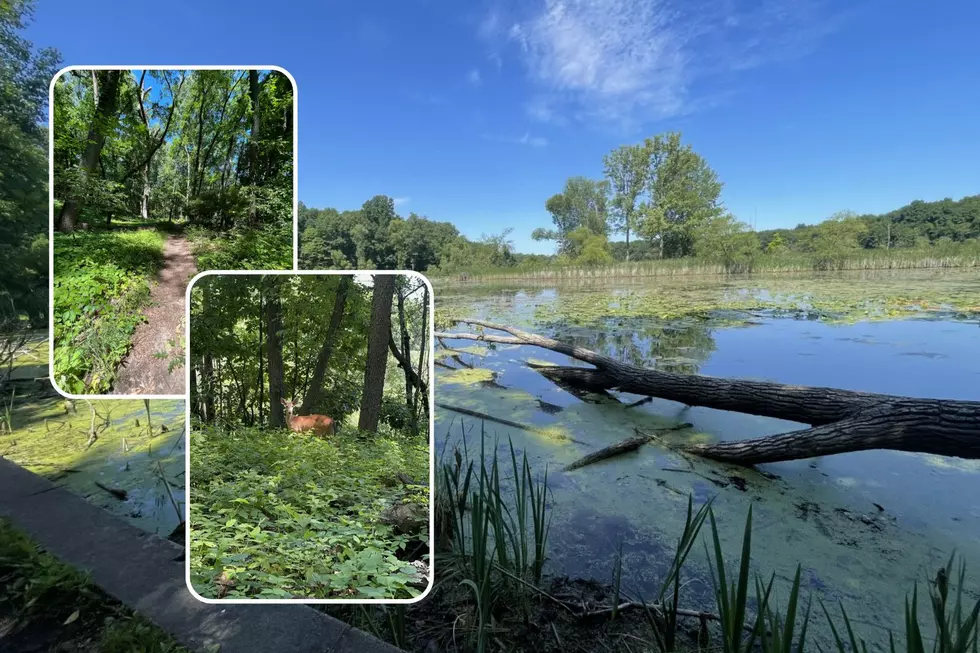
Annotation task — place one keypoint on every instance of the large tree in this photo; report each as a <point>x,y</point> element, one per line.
<point>377,352</point>
<point>315,387</point>
<point>273,327</point>
<point>627,169</point>
<point>24,77</point>
<point>582,203</point>
<point>683,195</point>
<point>105,119</point>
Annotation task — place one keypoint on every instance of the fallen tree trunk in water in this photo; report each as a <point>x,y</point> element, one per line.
<point>842,420</point>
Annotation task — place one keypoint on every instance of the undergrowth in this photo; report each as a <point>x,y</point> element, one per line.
<point>275,514</point>
<point>243,249</point>
<point>101,284</point>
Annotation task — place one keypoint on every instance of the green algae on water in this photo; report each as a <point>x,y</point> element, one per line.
<point>466,376</point>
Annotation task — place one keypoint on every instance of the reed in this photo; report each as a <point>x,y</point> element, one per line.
<point>965,255</point>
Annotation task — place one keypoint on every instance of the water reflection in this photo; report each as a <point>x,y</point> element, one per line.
<point>865,526</point>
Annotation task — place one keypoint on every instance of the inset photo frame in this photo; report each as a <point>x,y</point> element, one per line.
<point>157,173</point>
<point>310,437</point>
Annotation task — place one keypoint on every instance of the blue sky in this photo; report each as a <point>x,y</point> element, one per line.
<point>477,112</point>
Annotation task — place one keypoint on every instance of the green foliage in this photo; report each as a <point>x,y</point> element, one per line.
<point>725,240</point>
<point>24,77</point>
<point>684,195</point>
<point>584,247</point>
<point>835,238</point>
<point>627,168</point>
<point>914,226</point>
<point>100,286</point>
<point>732,599</point>
<point>581,205</point>
<point>243,248</point>
<point>190,152</point>
<point>372,237</point>
<point>277,515</point>
<point>228,327</point>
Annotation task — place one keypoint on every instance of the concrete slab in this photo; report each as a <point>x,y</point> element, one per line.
<point>146,573</point>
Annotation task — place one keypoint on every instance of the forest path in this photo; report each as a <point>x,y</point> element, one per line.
<point>142,372</point>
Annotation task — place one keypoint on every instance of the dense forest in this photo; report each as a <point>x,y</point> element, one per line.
<point>24,77</point>
<point>212,149</point>
<point>276,360</point>
<point>662,198</point>
<point>159,174</point>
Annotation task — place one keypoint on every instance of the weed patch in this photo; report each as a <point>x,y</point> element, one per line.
<point>278,515</point>
<point>101,284</point>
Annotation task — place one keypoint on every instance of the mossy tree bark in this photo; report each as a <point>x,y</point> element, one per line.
<point>841,420</point>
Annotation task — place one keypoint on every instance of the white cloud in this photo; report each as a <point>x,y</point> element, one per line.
<point>473,77</point>
<point>399,201</point>
<point>626,61</point>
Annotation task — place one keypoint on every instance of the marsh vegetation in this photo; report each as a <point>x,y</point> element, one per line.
<point>659,550</point>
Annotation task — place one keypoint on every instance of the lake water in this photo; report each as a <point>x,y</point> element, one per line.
<point>52,439</point>
<point>864,526</point>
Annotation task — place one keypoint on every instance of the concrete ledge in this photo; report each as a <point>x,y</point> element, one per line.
<point>142,571</point>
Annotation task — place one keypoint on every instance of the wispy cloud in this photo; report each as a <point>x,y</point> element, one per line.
<point>496,60</point>
<point>400,201</point>
<point>628,61</point>
<point>473,77</point>
<point>543,109</point>
<point>526,139</point>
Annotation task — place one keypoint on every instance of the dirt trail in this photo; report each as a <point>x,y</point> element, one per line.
<point>142,372</point>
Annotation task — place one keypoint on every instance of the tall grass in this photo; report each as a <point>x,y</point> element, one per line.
<point>495,522</point>
<point>965,255</point>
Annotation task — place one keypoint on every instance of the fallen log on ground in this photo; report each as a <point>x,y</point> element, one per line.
<point>625,446</point>
<point>841,420</point>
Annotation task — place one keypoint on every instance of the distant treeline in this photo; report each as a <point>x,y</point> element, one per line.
<point>916,224</point>
<point>376,237</point>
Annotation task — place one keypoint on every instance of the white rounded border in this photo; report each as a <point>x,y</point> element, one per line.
<point>54,80</point>
<point>187,435</point>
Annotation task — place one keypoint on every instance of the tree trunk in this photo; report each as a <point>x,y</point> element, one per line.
<point>145,194</point>
<point>261,355</point>
<point>207,370</point>
<point>628,218</point>
<point>273,329</point>
<point>406,350</point>
<point>195,399</point>
<point>377,352</point>
<point>198,163</point>
<point>253,141</point>
<point>841,420</point>
<point>208,382</point>
<point>214,138</point>
<point>314,390</point>
<point>420,398</point>
<point>103,121</point>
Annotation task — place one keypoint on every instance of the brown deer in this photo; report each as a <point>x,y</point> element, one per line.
<point>321,425</point>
